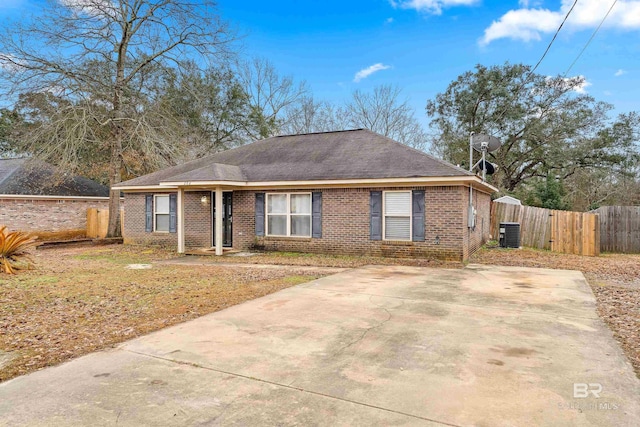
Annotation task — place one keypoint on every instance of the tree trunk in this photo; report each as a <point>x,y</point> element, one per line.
<point>114,179</point>
<point>115,164</point>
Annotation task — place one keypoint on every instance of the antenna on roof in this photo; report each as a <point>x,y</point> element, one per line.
<point>483,144</point>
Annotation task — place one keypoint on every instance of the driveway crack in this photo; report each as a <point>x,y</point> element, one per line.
<point>295,388</point>
<point>367,330</point>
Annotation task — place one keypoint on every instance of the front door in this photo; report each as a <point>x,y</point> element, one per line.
<point>227,218</point>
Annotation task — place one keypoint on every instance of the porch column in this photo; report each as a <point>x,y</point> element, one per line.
<point>180,220</point>
<point>218,220</point>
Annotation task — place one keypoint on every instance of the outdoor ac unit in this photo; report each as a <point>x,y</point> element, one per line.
<point>509,234</point>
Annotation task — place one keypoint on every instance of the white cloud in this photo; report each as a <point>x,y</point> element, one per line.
<point>620,72</point>
<point>582,86</point>
<point>89,7</point>
<point>529,3</point>
<point>607,93</point>
<point>530,23</point>
<point>578,84</point>
<point>389,20</point>
<point>430,6</point>
<point>366,72</point>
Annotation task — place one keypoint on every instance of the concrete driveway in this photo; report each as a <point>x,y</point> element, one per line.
<point>494,346</point>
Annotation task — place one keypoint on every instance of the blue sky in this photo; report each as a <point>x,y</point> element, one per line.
<point>328,42</point>
<point>422,45</point>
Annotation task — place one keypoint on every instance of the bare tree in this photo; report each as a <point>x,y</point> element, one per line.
<point>385,112</point>
<point>309,116</point>
<point>97,54</point>
<point>270,96</point>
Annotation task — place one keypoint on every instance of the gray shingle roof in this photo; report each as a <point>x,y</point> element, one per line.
<point>212,172</point>
<point>354,154</point>
<point>29,177</point>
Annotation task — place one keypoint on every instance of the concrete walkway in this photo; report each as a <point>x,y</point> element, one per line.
<point>489,346</point>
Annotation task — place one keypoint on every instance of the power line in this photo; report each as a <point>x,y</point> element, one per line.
<point>531,71</point>
<point>554,37</point>
<point>591,38</point>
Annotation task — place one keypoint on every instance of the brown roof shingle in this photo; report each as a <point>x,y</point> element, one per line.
<point>354,154</point>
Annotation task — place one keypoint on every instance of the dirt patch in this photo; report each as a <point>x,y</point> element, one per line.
<point>614,280</point>
<point>514,351</point>
<point>83,299</point>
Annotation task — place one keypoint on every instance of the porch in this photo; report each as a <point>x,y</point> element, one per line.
<point>221,220</point>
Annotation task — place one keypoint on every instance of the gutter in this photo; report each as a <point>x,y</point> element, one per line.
<point>471,181</point>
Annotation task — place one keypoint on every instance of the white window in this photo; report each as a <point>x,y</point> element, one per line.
<point>397,215</point>
<point>161,213</point>
<point>289,214</point>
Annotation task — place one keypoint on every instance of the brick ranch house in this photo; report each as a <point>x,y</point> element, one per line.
<point>348,192</point>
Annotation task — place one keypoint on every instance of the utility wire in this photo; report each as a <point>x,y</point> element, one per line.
<point>554,37</point>
<point>531,71</point>
<point>591,38</point>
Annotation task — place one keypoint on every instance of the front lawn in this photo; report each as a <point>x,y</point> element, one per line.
<point>614,280</point>
<point>80,300</point>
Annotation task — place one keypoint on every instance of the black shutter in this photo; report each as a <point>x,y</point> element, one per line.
<point>316,214</point>
<point>173,209</point>
<point>375,229</point>
<point>259,214</point>
<point>417,215</point>
<point>148,213</point>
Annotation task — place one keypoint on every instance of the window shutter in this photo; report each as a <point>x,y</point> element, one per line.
<point>316,214</point>
<point>173,209</point>
<point>417,215</point>
<point>148,213</point>
<point>259,214</point>
<point>375,216</point>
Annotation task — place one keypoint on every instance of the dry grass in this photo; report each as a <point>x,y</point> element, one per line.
<point>338,261</point>
<point>79,300</point>
<point>614,279</point>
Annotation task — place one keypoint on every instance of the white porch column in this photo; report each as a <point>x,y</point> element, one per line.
<point>218,225</point>
<point>180,220</point>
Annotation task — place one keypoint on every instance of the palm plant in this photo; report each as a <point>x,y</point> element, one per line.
<point>14,247</point>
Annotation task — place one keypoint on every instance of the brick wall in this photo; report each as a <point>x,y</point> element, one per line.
<point>345,225</point>
<point>476,237</point>
<point>52,214</point>
<point>197,222</point>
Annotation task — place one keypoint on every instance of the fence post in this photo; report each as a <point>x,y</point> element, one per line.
<point>92,223</point>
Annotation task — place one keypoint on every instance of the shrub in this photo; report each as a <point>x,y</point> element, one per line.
<point>14,247</point>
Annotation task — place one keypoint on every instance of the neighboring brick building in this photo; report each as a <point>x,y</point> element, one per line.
<point>351,192</point>
<point>47,213</point>
<point>34,198</point>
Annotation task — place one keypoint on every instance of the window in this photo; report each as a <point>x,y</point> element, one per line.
<point>397,215</point>
<point>161,213</point>
<point>289,214</point>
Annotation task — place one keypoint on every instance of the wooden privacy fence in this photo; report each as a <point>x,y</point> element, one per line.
<point>619,228</point>
<point>98,222</point>
<point>559,231</point>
